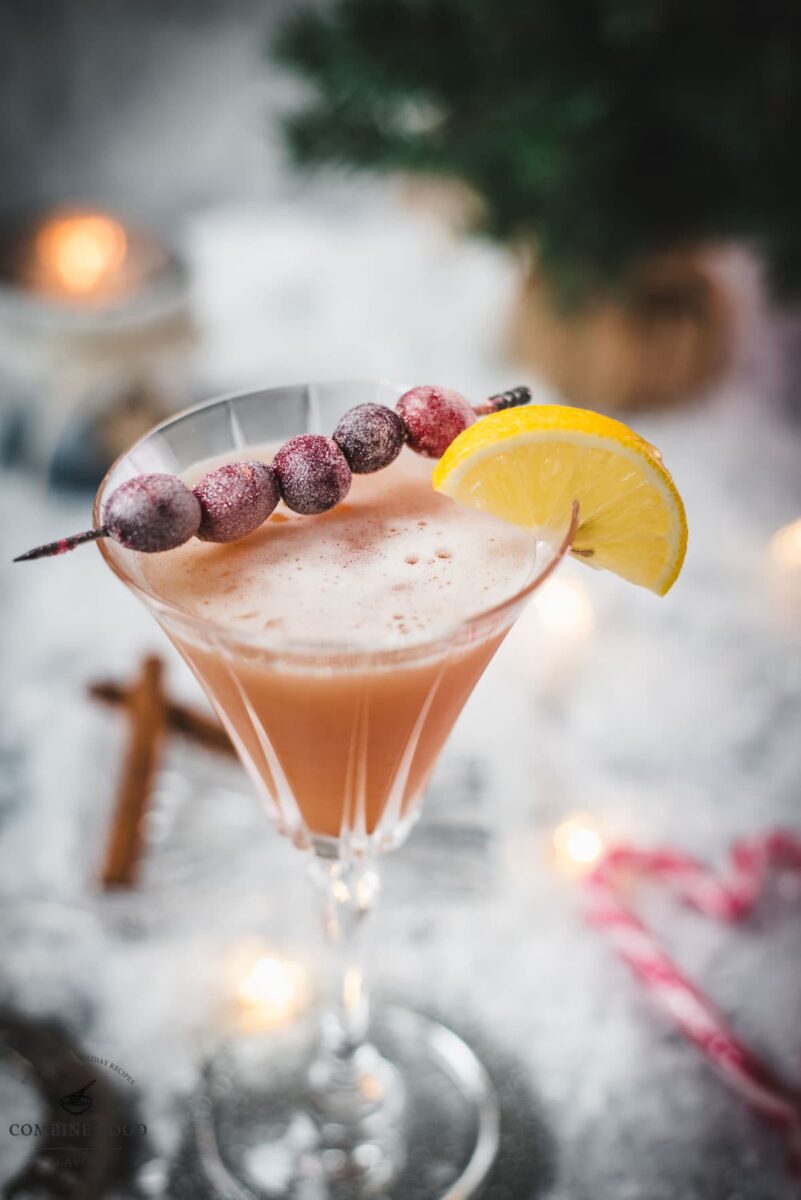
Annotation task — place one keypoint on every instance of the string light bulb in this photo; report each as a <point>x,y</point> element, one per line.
<point>578,845</point>
<point>565,609</point>
<point>272,992</point>
<point>785,546</point>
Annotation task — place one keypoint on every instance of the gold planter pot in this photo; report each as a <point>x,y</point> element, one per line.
<point>670,338</point>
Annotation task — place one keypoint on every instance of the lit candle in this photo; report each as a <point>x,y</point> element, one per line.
<point>102,307</point>
<point>90,260</point>
<point>80,255</point>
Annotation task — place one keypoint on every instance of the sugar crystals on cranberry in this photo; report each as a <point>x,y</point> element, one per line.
<point>313,473</point>
<point>371,437</point>
<point>235,499</point>
<point>433,417</point>
<point>151,513</point>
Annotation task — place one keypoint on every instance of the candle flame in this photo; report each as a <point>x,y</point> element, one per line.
<point>80,253</point>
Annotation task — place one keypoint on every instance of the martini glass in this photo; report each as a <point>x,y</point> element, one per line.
<point>339,741</point>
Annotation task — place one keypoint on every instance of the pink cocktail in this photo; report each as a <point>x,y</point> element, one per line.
<point>338,651</point>
<point>341,740</point>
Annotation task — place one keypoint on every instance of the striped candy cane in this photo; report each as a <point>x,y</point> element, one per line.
<point>729,896</point>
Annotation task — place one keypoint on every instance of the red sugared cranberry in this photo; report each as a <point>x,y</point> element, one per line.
<point>313,473</point>
<point>371,437</point>
<point>433,417</point>
<point>151,513</point>
<point>235,499</point>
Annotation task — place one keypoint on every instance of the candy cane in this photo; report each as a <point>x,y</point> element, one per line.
<point>730,896</point>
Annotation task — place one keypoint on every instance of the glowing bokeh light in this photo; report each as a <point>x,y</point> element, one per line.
<point>80,254</point>
<point>577,843</point>
<point>272,992</point>
<point>564,608</point>
<point>785,546</point>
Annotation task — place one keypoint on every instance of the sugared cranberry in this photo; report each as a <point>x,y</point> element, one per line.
<point>235,499</point>
<point>151,513</point>
<point>433,417</point>
<point>313,473</point>
<point>371,437</point>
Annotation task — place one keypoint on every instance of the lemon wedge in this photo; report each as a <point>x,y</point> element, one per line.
<point>528,466</point>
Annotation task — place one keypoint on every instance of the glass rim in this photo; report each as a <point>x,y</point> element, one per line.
<point>296,649</point>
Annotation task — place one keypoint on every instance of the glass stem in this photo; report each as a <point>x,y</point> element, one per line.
<point>344,1076</point>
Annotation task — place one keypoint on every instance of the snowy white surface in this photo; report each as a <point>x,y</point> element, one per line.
<point>670,722</point>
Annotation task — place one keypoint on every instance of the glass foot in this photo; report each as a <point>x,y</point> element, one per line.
<point>434,1135</point>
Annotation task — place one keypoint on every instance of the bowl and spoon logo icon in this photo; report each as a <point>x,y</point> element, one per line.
<point>77,1103</point>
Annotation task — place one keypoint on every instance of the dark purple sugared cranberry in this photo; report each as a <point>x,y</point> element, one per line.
<point>235,499</point>
<point>433,417</point>
<point>151,513</point>
<point>371,437</point>
<point>313,473</point>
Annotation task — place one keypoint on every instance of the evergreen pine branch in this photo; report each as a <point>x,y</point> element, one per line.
<point>602,129</point>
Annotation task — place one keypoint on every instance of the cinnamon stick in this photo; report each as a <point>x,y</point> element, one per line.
<point>147,714</point>
<point>180,718</point>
